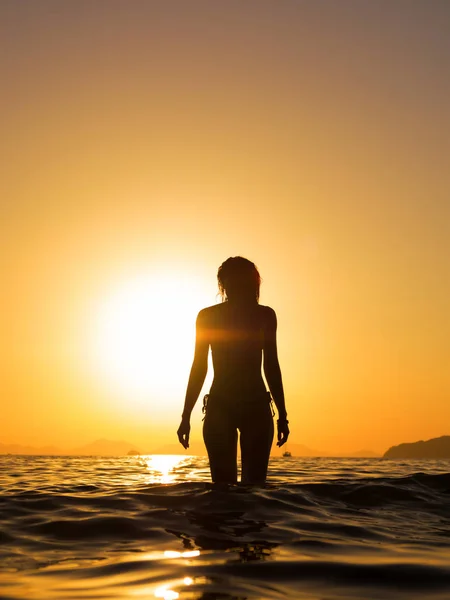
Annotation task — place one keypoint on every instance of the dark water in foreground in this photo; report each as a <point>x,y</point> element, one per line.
<point>152,527</point>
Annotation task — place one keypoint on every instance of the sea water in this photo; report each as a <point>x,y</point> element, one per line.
<point>146,527</point>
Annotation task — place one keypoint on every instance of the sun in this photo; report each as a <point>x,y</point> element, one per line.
<point>144,335</point>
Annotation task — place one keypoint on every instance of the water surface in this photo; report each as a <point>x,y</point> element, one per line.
<point>153,527</point>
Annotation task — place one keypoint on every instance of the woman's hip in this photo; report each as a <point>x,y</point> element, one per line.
<point>237,409</point>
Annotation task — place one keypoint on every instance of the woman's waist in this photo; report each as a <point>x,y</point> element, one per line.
<point>243,391</point>
<point>237,405</point>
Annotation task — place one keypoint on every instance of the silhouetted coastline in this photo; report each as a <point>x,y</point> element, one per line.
<point>434,448</point>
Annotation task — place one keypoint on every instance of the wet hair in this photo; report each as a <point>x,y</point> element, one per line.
<point>240,278</point>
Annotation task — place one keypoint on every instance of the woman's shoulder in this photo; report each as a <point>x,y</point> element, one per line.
<point>269,317</point>
<point>209,312</point>
<point>214,311</point>
<point>268,311</point>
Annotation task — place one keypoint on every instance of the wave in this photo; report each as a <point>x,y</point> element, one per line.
<point>337,538</point>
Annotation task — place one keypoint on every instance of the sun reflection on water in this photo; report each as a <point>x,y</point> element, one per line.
<point>168,589</point>
<point>185,554</point>
<point>163,468</point>
<point>166,594</point>
<point>164,591</point>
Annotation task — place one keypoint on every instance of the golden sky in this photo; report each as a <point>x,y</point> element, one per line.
<point>143,143</point>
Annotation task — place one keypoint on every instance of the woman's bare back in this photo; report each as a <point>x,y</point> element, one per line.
<point>236,333</point>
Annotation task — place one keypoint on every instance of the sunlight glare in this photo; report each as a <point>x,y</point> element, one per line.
<point>177,554</point>
<point>161,467</point>
<point>166,594</point>
<point>144,334</point>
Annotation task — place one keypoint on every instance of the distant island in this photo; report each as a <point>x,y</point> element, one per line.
<point>103,447</point>
<point>434,448</point>
<point>98,448</point>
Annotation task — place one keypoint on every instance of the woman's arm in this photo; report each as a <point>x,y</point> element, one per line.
<point>197,376</point>
<point>272,373</point>
<point>271,364</point>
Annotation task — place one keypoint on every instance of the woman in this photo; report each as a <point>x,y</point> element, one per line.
<point>241,333</point>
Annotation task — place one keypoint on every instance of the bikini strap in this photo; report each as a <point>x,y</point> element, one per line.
<point>205,404</point>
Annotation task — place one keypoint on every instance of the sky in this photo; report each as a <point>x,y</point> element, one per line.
<point>144,142</point>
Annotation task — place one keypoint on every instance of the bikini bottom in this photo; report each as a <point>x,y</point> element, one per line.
<point>253,418</point>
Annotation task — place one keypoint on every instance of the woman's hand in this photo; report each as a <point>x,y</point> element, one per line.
<point>183,432</point>
<point>282,431</point>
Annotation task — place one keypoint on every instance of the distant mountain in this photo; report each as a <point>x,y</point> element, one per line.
<point>99,448</point>
<point>29,450</point>
<point>104,448</point>
<point>364,454</point>
<point>434,448</point>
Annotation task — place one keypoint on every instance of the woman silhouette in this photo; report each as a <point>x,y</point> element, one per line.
<point>241,334</point>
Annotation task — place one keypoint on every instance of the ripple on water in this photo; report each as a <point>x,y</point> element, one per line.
<point>114,528</point>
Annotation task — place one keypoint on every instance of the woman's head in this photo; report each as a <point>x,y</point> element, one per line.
<point>238,279</point>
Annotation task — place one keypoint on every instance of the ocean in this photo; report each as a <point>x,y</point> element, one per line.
<point>145,527</point>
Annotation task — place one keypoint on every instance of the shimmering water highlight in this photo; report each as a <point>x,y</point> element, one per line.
<point>153,527</point>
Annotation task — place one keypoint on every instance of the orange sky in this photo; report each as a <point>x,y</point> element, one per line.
<point>149,141</point>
